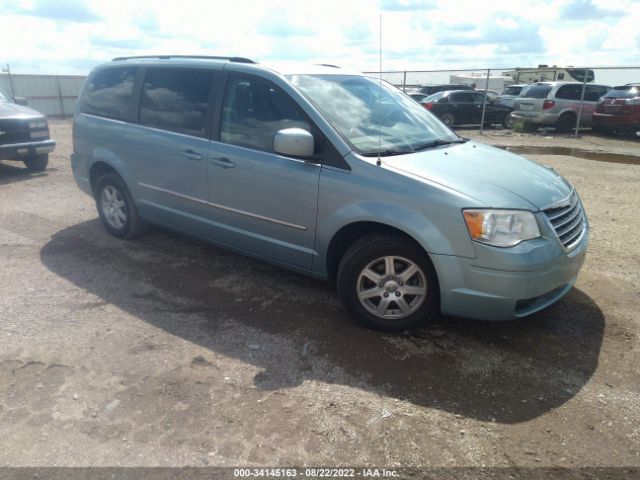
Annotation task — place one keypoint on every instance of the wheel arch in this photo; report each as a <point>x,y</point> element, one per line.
<point>351,233</point>
<point>104,162</point>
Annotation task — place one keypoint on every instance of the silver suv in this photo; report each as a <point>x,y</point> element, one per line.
<point>558,104</point>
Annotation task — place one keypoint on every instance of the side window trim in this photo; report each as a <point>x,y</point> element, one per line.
<point>139,88</point>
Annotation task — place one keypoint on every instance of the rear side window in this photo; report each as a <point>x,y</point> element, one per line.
<point>537,91</point>
<point>108,92</point>
<point>176,100</point>
<point>570,92</point>
<point>254,111</point>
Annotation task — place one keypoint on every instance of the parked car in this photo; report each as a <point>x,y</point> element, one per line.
<point>461,107</point>
<point>331,174</point>
<point>618,110</point>
<point>24,134</point>
<point>509,94</point>
<point>431,89</point>
<point>558,104</point>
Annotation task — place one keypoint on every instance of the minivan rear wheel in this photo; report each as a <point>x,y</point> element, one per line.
<point>565,123</point>
<point>388,283</point>
<point>115,206</point>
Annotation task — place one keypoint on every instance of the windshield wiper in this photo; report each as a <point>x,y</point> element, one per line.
<point>386,153</point>
<point>437,143</point>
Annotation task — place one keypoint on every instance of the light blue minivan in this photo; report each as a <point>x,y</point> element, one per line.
<point>330,173</point>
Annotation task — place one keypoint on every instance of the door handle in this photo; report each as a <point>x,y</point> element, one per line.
<point>222,162</point>
<point>191,155</point>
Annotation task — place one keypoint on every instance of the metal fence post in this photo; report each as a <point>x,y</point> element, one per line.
<point>584,83</point>
<point>60,96</point>
<point>404,82</point>
<point>484,101</point>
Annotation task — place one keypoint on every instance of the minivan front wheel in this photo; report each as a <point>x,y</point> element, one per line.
<point>388,283</point>
<point>116,208</point>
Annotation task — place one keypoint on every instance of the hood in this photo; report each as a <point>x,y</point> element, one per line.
<point>495,177</point>
<point>11,110</point>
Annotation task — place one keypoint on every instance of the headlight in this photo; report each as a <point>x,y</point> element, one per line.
<point>38,124</point>
<point>501,228</point>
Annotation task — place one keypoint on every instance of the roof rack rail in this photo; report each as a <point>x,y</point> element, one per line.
<point>327,65</point>
<point>206,57</point>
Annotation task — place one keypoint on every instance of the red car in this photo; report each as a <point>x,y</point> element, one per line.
<point>618,110</point>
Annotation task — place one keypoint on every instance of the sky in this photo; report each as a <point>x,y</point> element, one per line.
<point>72,36</point>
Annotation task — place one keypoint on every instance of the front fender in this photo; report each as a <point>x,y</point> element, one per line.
<point>448,237</point>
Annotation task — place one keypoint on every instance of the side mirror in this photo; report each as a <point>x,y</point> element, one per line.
<point>293,142</point>
<point>21,101</point>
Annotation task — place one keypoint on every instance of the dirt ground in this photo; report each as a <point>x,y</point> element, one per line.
<point>164,351</point>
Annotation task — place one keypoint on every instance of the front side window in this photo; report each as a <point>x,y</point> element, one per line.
<point>108,92</point>
<point>176,100</point>
<point>592,93</point>
<point>461,98</point>
<point>254,111</point>
<point>372,116</point>
<point>477,98</point>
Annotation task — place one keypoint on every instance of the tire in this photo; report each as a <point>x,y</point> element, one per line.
<point>37,163</point>
<point>116,208</point>
<point>368,259</point>
<point>508,121</point>
<point>565,123</point>
<point>448,119</point>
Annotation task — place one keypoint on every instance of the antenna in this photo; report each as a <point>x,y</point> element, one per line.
<point>379,162</point>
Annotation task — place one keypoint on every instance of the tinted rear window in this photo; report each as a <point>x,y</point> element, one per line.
<point>176,100</point>
<point>569,92</point>
<point>624,92</point>
<point>537,91</point>
<point>108,92</point>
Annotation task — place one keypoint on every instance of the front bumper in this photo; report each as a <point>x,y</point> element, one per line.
<point>18,151</point>
<point>525,279</point>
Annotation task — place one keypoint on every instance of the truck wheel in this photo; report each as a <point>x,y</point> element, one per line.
<point>388,283</point>
<point>116,208</point>
<point>37,163</point>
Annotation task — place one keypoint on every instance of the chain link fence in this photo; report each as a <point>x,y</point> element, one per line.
<point>582,99</point>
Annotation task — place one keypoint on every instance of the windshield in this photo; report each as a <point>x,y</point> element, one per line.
<point>512,91</point>
<point>373,118</point>
<point>3,97</point>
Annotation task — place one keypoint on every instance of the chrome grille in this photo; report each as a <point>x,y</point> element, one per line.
<point>568,220</point>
